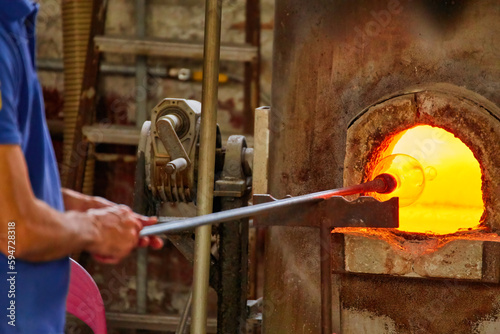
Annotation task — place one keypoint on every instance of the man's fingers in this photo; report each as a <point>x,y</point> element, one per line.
<point>156,242</point>
<point>153,242</point>
<point>143,242</point>
<point>146,221</point>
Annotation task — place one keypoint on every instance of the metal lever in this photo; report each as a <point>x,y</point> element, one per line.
<point>167,131</point>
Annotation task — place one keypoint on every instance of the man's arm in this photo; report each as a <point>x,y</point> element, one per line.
<point>43,233</point>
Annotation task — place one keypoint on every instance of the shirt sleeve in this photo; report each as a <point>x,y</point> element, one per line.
<point>9,92</point>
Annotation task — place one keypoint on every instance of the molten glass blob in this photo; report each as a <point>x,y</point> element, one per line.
<point>409,175</point>
<point>447,187</point>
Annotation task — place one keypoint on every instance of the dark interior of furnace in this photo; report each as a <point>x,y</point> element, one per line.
<point>252,167</point>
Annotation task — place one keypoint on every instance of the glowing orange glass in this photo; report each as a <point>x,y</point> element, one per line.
<point>445,194</point>
<point>409,175</point>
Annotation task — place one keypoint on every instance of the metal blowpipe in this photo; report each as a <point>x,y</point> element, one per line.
<point>383,183</point>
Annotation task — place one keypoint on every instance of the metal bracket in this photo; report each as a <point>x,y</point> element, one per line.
<point>234,181</point>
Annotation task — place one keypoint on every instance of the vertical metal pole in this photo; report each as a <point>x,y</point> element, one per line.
<point>141,105</point>
<point>142,280</point>
<point>213,9</point>
<point>181,328</point>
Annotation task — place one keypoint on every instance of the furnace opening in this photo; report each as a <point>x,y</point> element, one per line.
<point>452,198</point>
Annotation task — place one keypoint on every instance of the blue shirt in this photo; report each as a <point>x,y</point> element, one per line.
<point>40,289</point>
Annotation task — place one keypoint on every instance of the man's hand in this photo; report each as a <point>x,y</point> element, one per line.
<point>119,229</point>
<point>117,233</point>
<point>83,203</point>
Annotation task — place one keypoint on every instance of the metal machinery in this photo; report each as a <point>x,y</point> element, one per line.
<point>363,51</point>
<point>166,186</point>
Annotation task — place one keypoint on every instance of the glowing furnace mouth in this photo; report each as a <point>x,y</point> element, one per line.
<point>451,199</point>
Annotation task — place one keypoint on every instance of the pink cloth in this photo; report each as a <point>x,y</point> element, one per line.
<point>84,299</point>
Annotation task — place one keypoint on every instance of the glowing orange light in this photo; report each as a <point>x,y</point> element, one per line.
<point>451,198</point>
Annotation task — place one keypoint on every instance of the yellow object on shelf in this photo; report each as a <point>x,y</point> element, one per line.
<point>198,76</point>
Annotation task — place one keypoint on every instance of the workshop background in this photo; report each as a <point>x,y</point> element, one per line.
<point>169,272</point>
<point>351,81</point>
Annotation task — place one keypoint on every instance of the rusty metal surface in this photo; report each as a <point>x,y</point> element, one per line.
<point>331,60</point>
<point>233,271</point>
<point>326,215</point>
<point>413,306</point>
